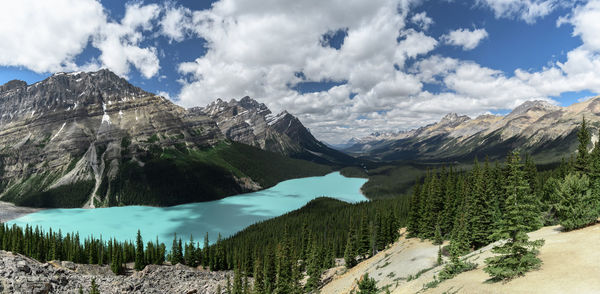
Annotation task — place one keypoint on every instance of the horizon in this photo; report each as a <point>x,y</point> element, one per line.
<point>388,65</point>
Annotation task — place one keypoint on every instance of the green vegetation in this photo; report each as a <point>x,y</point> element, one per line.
<point>173,176</point>
<point>367,285</point>
<point>52,245</point>
<point>504,202</point>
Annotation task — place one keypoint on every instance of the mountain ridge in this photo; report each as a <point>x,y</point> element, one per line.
<point>537,127</point>
<point>96,136</point>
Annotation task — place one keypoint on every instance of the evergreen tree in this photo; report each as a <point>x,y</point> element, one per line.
<point>578,205</point>
<point>367,285</point>
<point>285,265</point>
<point>313,269</point>
<point>205,249</point>
<point>94,287</point>
<point>139,252</point>
<point>582,162</point>
<point>414,213</point>
<point>350,252</point>
<point>517,255</point>
<point>237,281</point>
<point>259,276</point>
<point>364,244</point>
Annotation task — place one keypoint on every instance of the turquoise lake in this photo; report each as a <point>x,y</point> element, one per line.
<point>226,216</point>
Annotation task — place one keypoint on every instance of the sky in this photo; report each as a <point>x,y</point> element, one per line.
<point>346,68</point>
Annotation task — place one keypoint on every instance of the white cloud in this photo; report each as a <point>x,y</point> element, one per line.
<point>120,42</point>
<point>421,19</point>
<point>526,10</point>
<point>176,22</point>
<point>46,35</point>
<point>465,38</point>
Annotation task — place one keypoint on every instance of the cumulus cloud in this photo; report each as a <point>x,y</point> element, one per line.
<point>259,48</point>
<point>526,10</point>
<point>465,38</point>
<point>176,23</point>
<point>421,19</point>
<point>47,36</point>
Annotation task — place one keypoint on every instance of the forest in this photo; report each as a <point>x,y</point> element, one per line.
<point>471,208</point>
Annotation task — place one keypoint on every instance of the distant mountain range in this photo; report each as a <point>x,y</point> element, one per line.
<point>546,131</point>
<point>92,139</point>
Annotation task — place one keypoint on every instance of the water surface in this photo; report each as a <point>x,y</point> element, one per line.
<point>226,216</point>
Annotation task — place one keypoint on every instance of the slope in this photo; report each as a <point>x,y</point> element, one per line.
<point>570,265</point>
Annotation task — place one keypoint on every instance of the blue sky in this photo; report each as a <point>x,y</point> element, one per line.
<point>381,65</point>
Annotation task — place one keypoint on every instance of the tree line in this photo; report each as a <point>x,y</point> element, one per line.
<point>496,201</point>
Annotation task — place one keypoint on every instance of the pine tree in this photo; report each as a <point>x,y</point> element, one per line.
<point>237,281</point>
<point>94,287</point>
<point>313,268</point>
<point>480,207</point>
<point>258,276</point>
<point>284,282</point>
<point>350,252</point>
<point>139,253</point>
<point>205,249</point>
<point>517,255</point>
<point>364,245</point>
<point>414,213</point>
<point>578,205</point>
<point>582,162</point>
<point>270,272</point>
<point>367,285</point>
<point>437,237</point>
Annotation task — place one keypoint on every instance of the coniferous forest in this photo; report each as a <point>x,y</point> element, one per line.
<point>473,208</point>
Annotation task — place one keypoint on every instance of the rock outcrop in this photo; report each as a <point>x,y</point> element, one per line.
<point>19,274</point>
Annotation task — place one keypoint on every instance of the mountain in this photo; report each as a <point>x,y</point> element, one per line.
<point>250,122</point>
<point>537,127</point>
<point>93,139</point>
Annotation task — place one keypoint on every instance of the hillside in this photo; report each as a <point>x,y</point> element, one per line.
<point>570,265</point>
<point>93,139</point>
<point>544,130</point>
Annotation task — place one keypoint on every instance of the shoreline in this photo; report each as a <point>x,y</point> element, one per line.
<point>9,211</point>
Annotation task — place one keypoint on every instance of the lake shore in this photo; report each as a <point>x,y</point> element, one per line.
<point>9,211</point>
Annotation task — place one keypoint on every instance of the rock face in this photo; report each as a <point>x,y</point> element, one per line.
<point>19,274</point>
<point>92,139</point>
<point>537,127</point>
<point>252,123</point>
<point>76,127</point>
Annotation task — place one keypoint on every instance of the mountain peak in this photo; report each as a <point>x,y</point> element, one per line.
<point>13,84</point>
<point>534,105</point>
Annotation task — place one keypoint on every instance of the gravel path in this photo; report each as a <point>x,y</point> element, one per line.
<point>9,211</point>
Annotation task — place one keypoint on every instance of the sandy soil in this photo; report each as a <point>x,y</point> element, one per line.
<point>9,211</point>
<point>571,264</point>
<point>390,267</point>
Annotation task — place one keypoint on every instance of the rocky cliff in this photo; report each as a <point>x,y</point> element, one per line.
<point>546,131</point>
<point>93,139</point>
<point>250,122</point>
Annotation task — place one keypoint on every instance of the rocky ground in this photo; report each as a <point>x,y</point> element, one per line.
<point>570,264</point>
<point>19,274</point>
<point>9,211</point>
